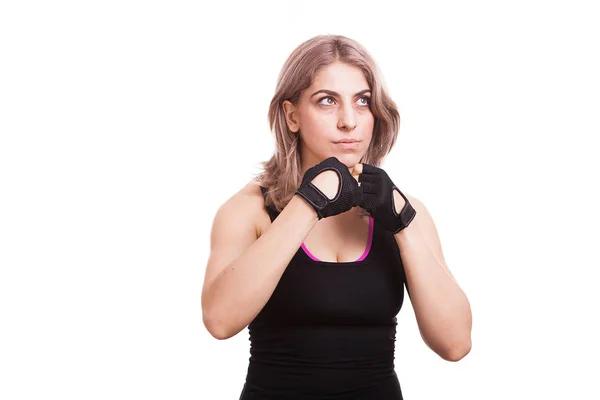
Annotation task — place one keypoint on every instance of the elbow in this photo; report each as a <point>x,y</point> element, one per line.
<point>210,321</point>
<point>219,322</point>
<point>217,332</point>
<point>219,335</point>
<point>217,329</point>
<point>457,353</point>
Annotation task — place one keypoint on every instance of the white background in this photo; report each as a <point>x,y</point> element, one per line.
<point>125,125</point>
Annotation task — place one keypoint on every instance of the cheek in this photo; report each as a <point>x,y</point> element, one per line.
<point>369,120</point>
<point>315,125</point>
<point>369,124</point>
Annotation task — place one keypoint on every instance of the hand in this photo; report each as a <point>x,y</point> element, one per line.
<point>330,188</point>
<point>381,200</point>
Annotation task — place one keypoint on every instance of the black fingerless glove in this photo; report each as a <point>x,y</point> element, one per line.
<point>378,199</point>
<point>349,194</point>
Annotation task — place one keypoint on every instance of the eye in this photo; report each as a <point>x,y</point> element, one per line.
<point>367,100</point>
<point>323,98</point>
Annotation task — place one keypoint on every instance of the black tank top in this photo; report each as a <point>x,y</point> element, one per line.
<point>328,330</point>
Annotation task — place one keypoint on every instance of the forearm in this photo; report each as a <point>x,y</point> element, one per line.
<point>243,288</point>
<point>442,309</point>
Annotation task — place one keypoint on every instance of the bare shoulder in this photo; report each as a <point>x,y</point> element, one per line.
<point>247,201</point>
<point>250,194</point>
<point>422,214</point>
<point>429,230</point>
<point>236,225</point>
<point>416,203</point>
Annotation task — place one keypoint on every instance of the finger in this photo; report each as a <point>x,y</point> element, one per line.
<point>356,173</point>
<point>357,169</point>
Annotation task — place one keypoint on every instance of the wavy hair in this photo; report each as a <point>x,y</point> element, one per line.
<point>280,175</point>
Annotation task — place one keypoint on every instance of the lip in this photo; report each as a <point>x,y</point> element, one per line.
<point>348,145</point>
<point>347,141</point>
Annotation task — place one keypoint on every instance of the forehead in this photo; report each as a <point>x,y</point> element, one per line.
<point>340,77</point>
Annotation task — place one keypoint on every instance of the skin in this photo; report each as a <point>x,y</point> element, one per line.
<point>236,288</point>
<point>322,118</point>
<point>441,307</point>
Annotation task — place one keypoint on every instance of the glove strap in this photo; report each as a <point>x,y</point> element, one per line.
<point>407,214</point>
<point>315,197</point>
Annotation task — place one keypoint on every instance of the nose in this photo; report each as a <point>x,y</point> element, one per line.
<point>347,120</point>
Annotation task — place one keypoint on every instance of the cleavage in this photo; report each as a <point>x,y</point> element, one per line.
<point>338,239</point>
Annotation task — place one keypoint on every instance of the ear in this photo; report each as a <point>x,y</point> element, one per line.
<point>291,116</point>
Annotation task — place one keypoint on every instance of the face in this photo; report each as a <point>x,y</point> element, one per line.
<point>335,107</point>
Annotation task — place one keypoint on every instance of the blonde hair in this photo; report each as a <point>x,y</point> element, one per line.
<point>281,174</point>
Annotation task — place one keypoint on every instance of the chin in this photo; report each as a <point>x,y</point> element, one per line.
<point>349,159</point>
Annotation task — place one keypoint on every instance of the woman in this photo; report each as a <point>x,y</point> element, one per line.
<point>293,258</point>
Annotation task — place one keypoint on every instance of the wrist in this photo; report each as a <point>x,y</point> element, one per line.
<point>301,205</point>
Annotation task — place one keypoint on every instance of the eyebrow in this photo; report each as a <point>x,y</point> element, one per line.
<point>332,93</point>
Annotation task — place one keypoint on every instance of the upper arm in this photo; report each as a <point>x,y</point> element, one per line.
<point>425,221</point>
<point>234,229</point>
